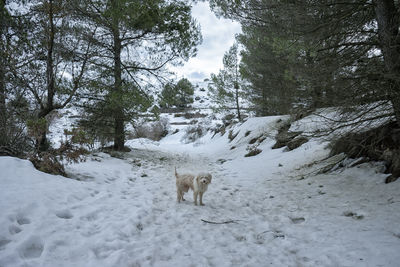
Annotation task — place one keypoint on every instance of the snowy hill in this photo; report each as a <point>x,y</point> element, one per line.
<point>271,209</point>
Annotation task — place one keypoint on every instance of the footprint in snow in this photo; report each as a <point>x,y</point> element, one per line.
<point>297,220</point>
<point>64,214</point>
<point>3,242</point>
<point>353,215</point>
<point>13,229</point>
<point>94,193</point>
<point>21,220</point>
<point>31,248</point>
<point>92,216</point>
<point>111,179</point>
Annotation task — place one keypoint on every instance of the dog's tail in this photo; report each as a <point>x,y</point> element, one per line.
<point>176,173</point>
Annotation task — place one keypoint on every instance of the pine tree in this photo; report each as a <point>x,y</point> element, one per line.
<point>226,86</point>
<point>14,106</point>
<point>343,53</point>
<point>135,40</point>
<point>54,57</point>
<point>177,95</point>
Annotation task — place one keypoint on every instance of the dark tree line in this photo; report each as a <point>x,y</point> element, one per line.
<point>319,53</point>
<point>102,54</point>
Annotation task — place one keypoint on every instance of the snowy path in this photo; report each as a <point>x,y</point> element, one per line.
<point>125,213</point>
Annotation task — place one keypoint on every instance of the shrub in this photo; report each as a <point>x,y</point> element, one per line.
<point>14,140</point>
<point>48,162</point>
<point>232,135</point>
<point>37,129</point>
<point>152,130</point>
<point>193,133</point>
<point>253,152</point>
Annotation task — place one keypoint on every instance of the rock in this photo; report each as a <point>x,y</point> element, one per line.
<point>297,142</point>
<point>391,179</point>
<point>283,138</point>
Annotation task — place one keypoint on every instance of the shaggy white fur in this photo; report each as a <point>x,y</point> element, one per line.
<point>198,184</point>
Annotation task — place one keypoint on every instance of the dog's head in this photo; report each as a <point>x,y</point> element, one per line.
<point>204,178</point>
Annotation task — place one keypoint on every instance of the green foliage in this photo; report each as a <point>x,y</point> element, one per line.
<point>78,136</point>
<point>179,95</point>
<point>37,128</point>
<point>99,116</point>
<point>185,91</point>
<point>168,96</point>
<point>267,66</point>
<point>142,37</point>
<point>318,53</point>
<point>225,88</point>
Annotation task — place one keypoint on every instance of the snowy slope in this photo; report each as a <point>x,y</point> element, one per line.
<point>273,208</point>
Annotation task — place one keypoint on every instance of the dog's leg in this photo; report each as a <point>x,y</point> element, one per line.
<point>201,198</point>
<point>195,197</point>
<point>179,195</point>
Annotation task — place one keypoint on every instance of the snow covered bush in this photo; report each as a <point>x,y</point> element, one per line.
<point>252,151</point>
<point>152,130</point>
<point>193,133</point>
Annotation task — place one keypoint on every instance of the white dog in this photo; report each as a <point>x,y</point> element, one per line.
<point>198,184</point>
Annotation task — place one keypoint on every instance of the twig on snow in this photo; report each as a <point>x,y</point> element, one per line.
<point>226,222</point>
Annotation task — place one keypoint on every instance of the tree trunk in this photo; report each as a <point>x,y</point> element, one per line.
<point>387,16</point>
<point>119,134</point>
<point>49,60</point>
<point>237,101</point>
<point>50,82</point>
<point>3,110</point>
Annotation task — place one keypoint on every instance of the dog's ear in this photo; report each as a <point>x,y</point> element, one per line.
<point>209,177</point>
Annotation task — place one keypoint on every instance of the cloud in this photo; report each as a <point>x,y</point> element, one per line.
<point>197,76</point>
<point>218,36</point>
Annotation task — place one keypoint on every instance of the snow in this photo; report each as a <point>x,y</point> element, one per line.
<point>122,210</point>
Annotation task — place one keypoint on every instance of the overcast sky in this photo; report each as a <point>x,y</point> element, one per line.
<point>218,36</point>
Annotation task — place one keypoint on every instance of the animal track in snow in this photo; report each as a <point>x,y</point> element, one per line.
<point>21,220</point>
<point>91,216</point>
<point>353,215</point>
<point>297,220</point>
<point>64,214</point>
<point>31,248</point>
<point>13,229</point>
<point>3,242</point>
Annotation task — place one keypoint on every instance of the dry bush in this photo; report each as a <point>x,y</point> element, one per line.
<point>232,135</point>
<point>253,151</point>
<point>193,133</point>
<point>196,115</point>
<point>48,162</point>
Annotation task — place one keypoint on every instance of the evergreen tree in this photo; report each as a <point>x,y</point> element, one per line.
<point>226,87</point>
<point>53,56</point>
<point>343,53</point>
<point>184,92</point>
<point>273,88</point>
<point>14,104</point>
<point>178,95</point>
<point>135,40</point>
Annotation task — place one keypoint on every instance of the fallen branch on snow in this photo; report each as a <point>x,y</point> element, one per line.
<point>226,222</point>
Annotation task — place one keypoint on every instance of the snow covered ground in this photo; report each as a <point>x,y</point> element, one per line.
<point>272,209</point>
